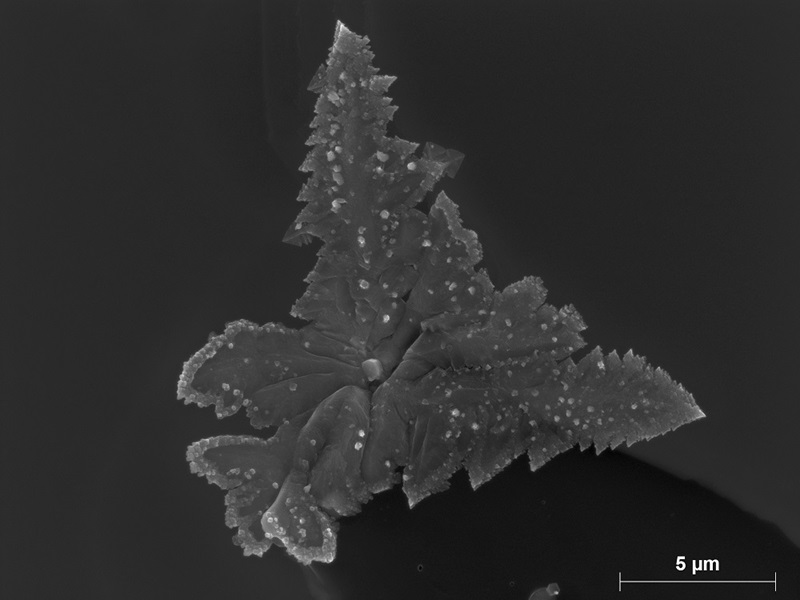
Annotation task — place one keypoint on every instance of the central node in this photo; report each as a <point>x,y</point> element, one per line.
<point>373,369</point>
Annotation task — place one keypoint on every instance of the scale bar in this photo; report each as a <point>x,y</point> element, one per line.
<point>773,581</point>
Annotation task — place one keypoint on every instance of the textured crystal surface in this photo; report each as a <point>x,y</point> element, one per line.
<point>412,365</point>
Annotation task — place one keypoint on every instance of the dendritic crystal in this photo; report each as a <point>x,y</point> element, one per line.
<point>412,365</point>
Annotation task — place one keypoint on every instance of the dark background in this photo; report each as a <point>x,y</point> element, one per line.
<point>642,158</point>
